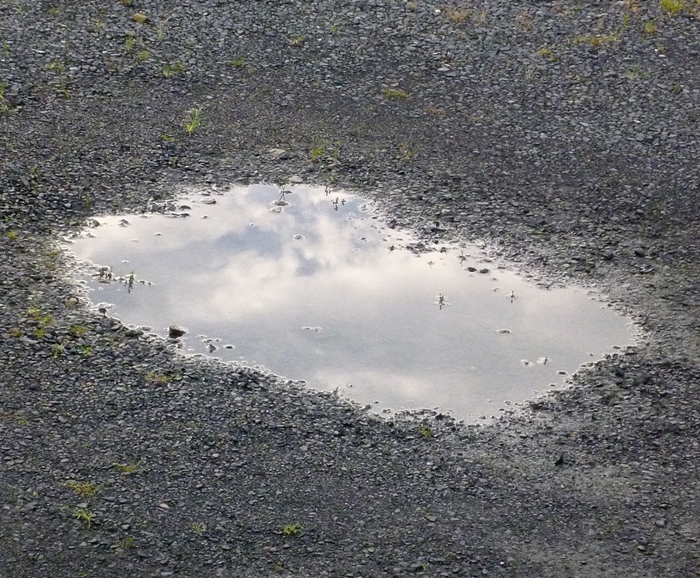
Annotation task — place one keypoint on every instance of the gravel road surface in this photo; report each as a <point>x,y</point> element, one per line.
<point>565,134</point>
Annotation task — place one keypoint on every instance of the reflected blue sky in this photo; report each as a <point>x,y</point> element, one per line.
<point>258,276</point>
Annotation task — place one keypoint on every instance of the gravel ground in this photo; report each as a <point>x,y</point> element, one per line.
<point>564,134</point>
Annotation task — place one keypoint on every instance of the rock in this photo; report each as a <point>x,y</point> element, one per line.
<point>175,331</point>
<point>133,332</point>
<point>140,18</point>
<point>277,153</point>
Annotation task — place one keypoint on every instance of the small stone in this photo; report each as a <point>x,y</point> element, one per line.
<point>484,271</point>
<point>175,331</point>
<point>140,18</point>
<point>276,153</point>
<point>133,332</point>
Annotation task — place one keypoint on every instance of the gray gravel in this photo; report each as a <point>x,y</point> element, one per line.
<point>565,135</point>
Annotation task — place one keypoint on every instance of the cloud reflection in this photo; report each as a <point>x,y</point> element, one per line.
<point>256,275</point>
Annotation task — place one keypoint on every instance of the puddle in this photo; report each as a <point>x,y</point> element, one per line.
<point>312,286</point>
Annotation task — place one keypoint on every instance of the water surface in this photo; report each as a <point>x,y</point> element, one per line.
<point>313,286</point>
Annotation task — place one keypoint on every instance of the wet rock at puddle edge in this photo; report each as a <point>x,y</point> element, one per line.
<point>175,331</point>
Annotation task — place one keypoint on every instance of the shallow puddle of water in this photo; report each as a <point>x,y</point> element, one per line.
<point>314,287</point>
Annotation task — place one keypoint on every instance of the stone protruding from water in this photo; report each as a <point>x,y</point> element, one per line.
<point>175,331</point>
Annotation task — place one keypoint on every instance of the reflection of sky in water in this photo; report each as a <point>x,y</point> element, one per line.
<point>265,278</point>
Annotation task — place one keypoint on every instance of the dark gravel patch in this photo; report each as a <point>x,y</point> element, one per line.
<point>565,135</point>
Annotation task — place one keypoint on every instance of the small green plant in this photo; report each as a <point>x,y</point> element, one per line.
<point>22,420</point>
<point>457,14</point>
<point>635,73</point>
<point>197,528</point>
<point>167,137</point>
<point>83,488</point>
<point>406,151</point>
<point>157,378</point>
<point>546,52</point>
<point>395,94</point>
<point>292,529</point>
<point>15,332</point>
<point>143,56</point>
<point>130,42</point>
<point>318,152</point>
<point>298,41</point>
<point>193,120</point>
<point>597,39</point>
<point>426,432</point>
<point>173,69</point>
<point>671,6</point>
<point>55,66</point>
<point>85,516</point>
<point>12,235</point>
<point>650,27</point>
<point>4,104</point>
<point>523,21</point>
<point>43,321</point>
<point>57,349</point>
<point>58,68</point>
<point>237,62</point>
<point>160,28</point>
<point>126,469</point>
<point>77,330</point>
<point>128,543</point>
<point>85,350</point>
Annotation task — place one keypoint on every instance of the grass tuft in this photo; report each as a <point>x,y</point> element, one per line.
<point>671,6</point>
<point>85,516</point>
<point>395,94</point>
<point>193,120</point>
<point>292,529</point>
<point>83,488</point>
